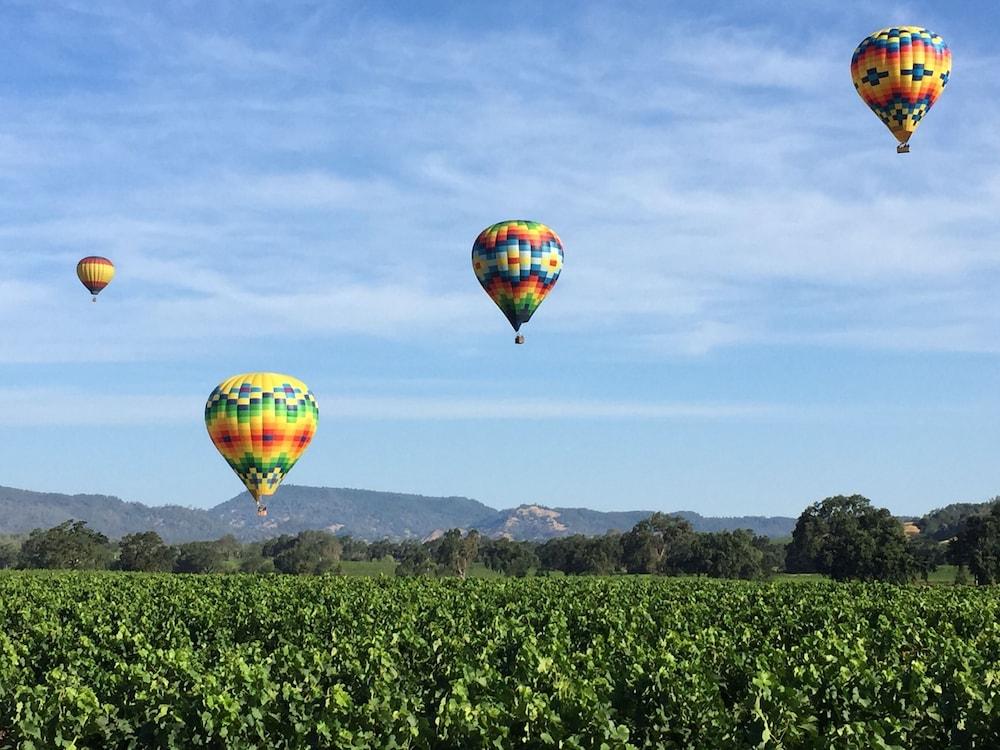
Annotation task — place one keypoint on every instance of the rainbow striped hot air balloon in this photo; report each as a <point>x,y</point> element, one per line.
<point>900,73</point>
<point>518,263</point>
<point>261,423</point>
<point>95,273</point>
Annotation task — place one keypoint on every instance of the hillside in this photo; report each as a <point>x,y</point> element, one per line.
<point>943,523</point>
<point>23,510</point>
<point>364,514</point>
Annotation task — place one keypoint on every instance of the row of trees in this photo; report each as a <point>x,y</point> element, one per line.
<point>72,545</point>
<point>660,544</point>
<point>846,538</point>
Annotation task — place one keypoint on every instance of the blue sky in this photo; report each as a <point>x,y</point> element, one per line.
<point>762,303</point>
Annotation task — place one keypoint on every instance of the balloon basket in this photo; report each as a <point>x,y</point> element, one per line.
<point>519,339</point>
<point>94,298</point>
<point>903,148</point>
<point>261,510</point>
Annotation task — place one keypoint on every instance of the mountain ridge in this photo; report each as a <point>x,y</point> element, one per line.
<point>364,514</point>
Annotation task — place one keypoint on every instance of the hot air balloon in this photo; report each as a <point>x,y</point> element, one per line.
<point>900,73</point>
<point>518,263</point>
<point>261,423</point>
<point>95,273</point>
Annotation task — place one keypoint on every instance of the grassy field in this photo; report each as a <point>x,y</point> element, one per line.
<point>944,575</point>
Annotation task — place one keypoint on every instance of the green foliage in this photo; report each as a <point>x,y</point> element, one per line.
<point>145,552</point>
<point>8,554</point>
<point>849,539</point>
<point>510,558</point>
<point>68,546</point>
<point>113,662</point>
<point>733,554</point>
<point>944,523</point>
<point>200,557</point>
<point>578,555</point>
<point>928,555</point>
<point>978,546</point>
<point>308,552</point>
<point>221,556</point>
<point>454,553</point>
<point>414,560</point>
<point>659,544</point>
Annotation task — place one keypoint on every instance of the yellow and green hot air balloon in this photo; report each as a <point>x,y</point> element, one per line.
<point>517,263</point>
<point>900,73</point>
<point>261,423</point>
<point>95,273</point>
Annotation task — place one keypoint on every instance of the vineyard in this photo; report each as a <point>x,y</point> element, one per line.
<point>119,661</point>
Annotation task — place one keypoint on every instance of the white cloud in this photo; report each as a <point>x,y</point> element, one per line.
<point>335,180</point>
<point>62,406</point>
<point>45,407</point>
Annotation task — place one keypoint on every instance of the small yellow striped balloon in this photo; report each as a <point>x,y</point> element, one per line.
<point>95,273</point>
<point>261,423</point>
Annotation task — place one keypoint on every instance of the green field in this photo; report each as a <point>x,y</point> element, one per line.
<point>945,575</point>
<point>170,661</point>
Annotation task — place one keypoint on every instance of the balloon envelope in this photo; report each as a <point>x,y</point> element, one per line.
<point>261,423</point>
<point>95,273</point>
<point>518,263</point>
<point>900,72</point>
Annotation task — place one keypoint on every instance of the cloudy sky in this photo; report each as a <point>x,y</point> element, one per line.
<point>762,303</point>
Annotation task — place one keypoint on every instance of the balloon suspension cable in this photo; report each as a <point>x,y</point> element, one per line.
<point>519,339</point>
<point>903,148</point>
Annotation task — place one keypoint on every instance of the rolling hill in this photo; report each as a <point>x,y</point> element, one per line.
<point>365,514</point>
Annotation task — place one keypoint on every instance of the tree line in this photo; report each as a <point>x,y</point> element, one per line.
<point>661,544</point>
<point>845,538</point>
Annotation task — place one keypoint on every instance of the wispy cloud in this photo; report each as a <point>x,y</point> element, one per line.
<point>47,407</point>
<point>339,179</point>
<point>68,406</point>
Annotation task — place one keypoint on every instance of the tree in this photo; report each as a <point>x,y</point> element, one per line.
<point>414,560</point>
<point>732,554</point>
<point>927,555</point>
<point>145,552</point>
<point>978,547</point>
<point>658,544</point>
<point>8,554</point>
<point>353,549</point>
<point>508,557</point>
<point>70,545</point>
<point>848,538</point>
<point>455,553</point>
<point>256,563</point>
<point>944,523</point>
<point>384,548</point>
<point>773,554</point>
<point>200,557</point>
<point>310,552</point>
<point>578,554</point>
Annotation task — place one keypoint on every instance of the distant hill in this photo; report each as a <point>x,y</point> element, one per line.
<point>943,523</point>
<point>364,514</point>
<point>23,510</point>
